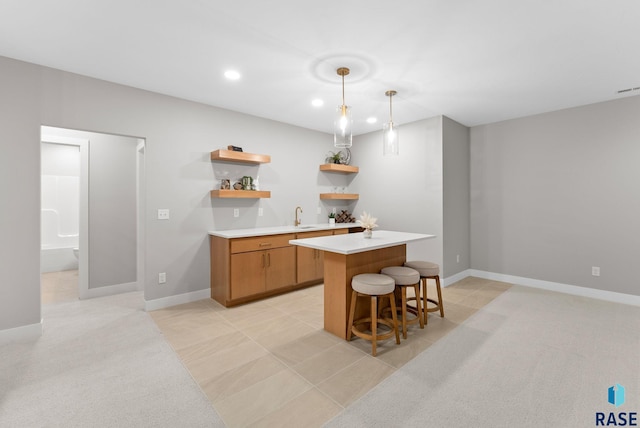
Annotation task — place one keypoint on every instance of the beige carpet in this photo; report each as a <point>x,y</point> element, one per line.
<point>530,358</point>
<point>100,363</point>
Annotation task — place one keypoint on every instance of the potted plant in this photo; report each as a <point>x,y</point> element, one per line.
<point>332,218</point>
<point>367,222</point>
<point>332,157</point>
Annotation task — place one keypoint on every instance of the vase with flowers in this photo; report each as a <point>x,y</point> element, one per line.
<point>367,222</point>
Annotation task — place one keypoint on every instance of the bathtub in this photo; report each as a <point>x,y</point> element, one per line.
<point>57,259</point>
<point>56,251</point>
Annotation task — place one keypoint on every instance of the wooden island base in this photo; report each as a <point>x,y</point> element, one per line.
<point>338,271</point>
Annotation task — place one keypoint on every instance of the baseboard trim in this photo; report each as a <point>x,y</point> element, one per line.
<point>455,278</point>
<point>109,290</point>
<point>179,299</point>
<point>23,333</point>
<point>609,296</point>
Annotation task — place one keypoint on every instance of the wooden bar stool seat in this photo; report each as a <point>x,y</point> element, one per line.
<point>428,270</point>
<point>406,277</point>
<point>374,286</point>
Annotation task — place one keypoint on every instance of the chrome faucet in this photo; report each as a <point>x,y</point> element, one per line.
<point>297,222</point>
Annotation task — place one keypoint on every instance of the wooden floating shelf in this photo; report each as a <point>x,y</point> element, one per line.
<point>339,196</point>
<point>336,167</point>
<point>239,194</point>
<point>231,156</point>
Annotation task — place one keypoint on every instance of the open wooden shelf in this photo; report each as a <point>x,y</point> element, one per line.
<point>336,167</point>
<point>231,156</point>
<point>238,194</point>
<point>339,196</point>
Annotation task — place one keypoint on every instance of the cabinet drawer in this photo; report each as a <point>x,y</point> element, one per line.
<point>254,243</point>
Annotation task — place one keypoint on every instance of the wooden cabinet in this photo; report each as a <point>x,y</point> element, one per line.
<point>246,269</point>
<point>243,269</point>
<point>310,261</point>
<point>257,272</point>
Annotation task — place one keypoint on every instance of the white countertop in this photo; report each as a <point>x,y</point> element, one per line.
<point>278,230</point>
<point>352,243</point>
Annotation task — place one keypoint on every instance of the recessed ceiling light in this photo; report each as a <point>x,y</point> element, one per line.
<point>372,120</point>
<point>317,102</point>
<point>232,75</point>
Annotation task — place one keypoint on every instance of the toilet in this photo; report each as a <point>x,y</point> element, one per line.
<point>76,252</point>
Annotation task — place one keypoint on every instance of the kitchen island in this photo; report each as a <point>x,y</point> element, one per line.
<point>351,254</point>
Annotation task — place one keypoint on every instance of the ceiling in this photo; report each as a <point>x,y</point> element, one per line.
<point>474,61</point>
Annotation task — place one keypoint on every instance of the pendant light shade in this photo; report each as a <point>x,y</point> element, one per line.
<point>390,136</point>
<point>343,123</point>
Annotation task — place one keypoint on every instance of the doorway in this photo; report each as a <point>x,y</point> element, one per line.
<point>110,233</point>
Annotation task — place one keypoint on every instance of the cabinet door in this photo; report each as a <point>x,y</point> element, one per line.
<point>281,268</point>
<point>310,261</point>
<point>248,273</point>
<point>307,262</point>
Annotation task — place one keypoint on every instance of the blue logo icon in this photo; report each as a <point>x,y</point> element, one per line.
<point>616,395</point>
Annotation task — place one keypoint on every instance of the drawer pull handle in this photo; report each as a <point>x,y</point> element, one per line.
<point>265,244</point>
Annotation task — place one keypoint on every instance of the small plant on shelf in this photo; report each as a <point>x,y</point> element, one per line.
<point>332,218</point>
<point>332,157</point>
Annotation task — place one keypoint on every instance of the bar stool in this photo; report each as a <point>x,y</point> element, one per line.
<point>373,285</point>
<point>428,270</point>
<point>406,277</point>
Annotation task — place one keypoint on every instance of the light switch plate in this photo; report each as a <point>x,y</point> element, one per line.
<point>163,214</point>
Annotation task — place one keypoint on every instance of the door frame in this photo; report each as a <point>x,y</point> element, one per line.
<point>83,229</point>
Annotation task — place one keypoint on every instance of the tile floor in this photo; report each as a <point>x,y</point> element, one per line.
<point>270,363</point>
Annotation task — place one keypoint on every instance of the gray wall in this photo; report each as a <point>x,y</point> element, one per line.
<point>404,192</point>
<point>112,210</point>
<point>20,175</point>
<point>179,175</point>
<point>555,194</point>
<point>456,197</point>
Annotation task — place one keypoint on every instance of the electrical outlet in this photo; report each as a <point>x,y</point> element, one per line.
<point>260,212</point>
<point>236,212</point>
<point>163,214</point>
<point>162,277</point>
<point>457,258</point>
<point>595,271</point>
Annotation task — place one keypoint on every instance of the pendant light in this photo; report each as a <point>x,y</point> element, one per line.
<point>343,123</point>
<point>390,137</point>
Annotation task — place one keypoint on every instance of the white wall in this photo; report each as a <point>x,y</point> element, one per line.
<point>60,195</point>
<point>558,193</point>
